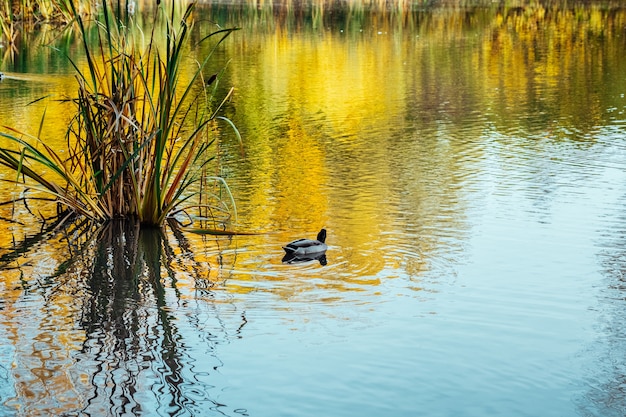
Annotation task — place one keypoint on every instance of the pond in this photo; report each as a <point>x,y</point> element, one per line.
<point>469,166</point>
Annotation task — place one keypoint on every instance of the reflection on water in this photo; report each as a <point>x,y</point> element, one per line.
<point>468,163</point>
<point>109,331</point>
<point>292,258</point>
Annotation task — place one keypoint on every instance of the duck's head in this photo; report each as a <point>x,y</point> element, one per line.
<point>321,236</point>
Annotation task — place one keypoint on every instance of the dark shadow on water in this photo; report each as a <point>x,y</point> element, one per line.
<point>291,258</point>
<point>136,346</point>
<point>147,317</point>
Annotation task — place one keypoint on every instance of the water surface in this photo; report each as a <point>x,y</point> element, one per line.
<point>468,164</point>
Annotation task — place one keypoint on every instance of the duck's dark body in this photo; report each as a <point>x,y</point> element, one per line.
<point>303,247</point>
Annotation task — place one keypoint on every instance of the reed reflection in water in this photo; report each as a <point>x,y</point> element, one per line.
<point>108,333</point>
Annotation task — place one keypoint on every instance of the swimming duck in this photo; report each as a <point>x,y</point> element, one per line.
<point>303,247</point>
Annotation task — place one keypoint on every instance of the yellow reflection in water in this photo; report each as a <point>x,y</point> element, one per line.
<point>407,82</point>
<point>388,115</point>
<point>379,133</point>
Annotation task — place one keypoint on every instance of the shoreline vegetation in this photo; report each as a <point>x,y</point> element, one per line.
<point>16,14</point>
<point>51,18</point>
<point>19,18</point>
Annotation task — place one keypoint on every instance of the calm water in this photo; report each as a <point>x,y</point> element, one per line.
<point>469,166</point>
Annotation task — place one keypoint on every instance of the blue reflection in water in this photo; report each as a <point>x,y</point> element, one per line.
<point>605,390</point>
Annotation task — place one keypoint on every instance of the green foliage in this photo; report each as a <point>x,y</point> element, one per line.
<point>141,137</point>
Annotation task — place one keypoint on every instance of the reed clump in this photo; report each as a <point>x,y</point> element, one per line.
<point>141,137</point>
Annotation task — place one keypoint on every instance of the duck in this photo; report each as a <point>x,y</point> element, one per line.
<point>307,247</point>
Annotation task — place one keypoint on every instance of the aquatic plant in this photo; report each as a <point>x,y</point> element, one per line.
<point>8,31</point>
<point>58,11</point>
<point>140,139</point>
